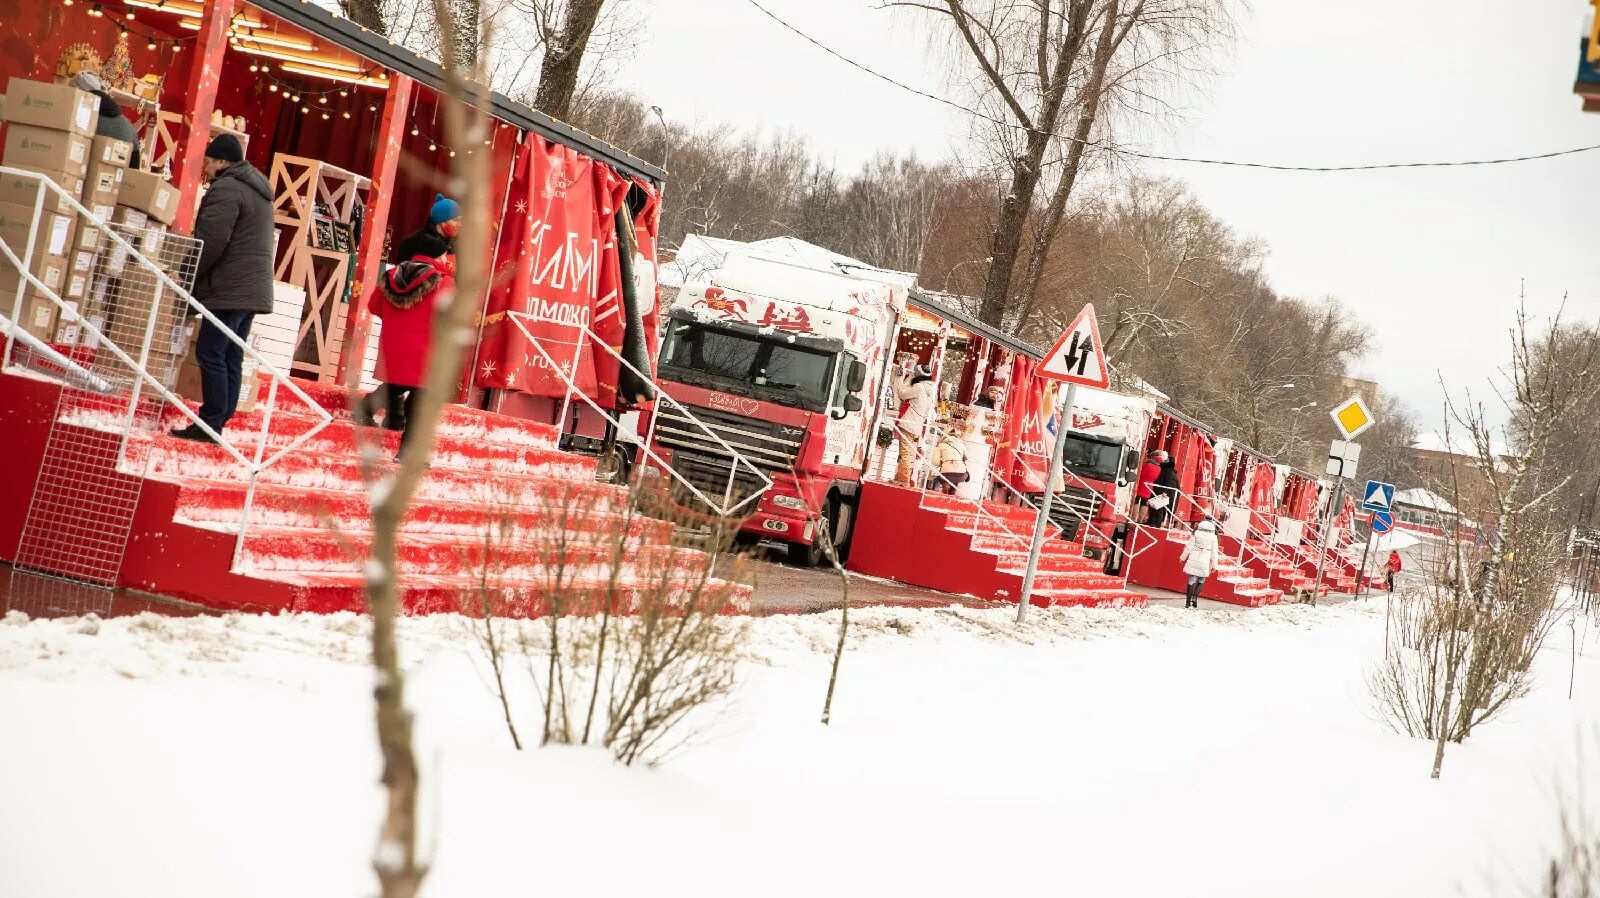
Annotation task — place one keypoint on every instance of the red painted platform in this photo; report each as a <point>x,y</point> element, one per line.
<point>944,542</point>
<point>309,529</point>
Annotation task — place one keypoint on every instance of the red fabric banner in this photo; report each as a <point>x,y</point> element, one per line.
<point>1261,488</point>
<point>548,265</point>
<point>1023,449</point>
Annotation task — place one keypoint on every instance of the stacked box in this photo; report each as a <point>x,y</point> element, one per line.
<point>50,131</point>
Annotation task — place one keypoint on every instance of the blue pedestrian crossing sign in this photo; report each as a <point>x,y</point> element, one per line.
<point>1382,522</point>
<point>1379,496</point>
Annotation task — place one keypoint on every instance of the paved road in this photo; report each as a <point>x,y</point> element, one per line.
<point>785,589</point>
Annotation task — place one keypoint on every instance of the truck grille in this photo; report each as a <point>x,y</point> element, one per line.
<point>703,462</point>
<point>1072,506</point>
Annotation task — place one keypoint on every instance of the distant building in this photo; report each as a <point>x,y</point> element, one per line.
<point>1368,390</point>
<point>1444,469</point>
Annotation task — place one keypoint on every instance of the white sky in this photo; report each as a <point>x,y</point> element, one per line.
<point>1432,259</point>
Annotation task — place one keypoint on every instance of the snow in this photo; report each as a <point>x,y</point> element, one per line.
<point>1127,752</point>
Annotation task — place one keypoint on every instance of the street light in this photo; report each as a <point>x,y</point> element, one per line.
<point>666,134</point>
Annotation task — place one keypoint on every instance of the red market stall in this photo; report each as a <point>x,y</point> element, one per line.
<point>349,128</point>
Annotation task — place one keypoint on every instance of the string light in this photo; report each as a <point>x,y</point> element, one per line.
<point>273,88</point>
<point>432,146</point>
<point>347,114</point>
<point>415,131</point>
<point>151,45</point>
<point>324,116</point>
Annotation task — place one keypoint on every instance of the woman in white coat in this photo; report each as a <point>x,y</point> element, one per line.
<point>1199,560</point>
<point>916,389</point>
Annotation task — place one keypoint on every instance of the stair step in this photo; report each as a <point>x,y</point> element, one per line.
<point>216,506</point>
<point>272,550</point>
<point>180,461</point>
<point>335,399</point>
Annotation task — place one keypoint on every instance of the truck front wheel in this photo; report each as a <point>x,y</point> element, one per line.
<point>834,520</point>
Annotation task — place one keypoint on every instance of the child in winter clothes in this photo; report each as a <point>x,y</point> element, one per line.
<point>1199,560</point>
<point>407,298</point>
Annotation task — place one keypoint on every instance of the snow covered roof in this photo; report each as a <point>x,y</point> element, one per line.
<point>699,254</point>
<point>1421,498</point>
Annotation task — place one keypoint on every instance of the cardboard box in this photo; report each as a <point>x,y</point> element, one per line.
<point>52,270</point>
<point>44,104</point>
<point>54,231</point>
<point>21,190</point>
<point>101,184</point>
<point>110,151</point>
<point>39,317</point>
<point>149,193</point>
<point>46,149</point>
<point>133,218</point>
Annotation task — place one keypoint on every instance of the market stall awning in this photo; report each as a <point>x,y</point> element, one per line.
<point>373,46</point>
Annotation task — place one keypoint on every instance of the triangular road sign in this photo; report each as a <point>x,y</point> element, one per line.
<point>1078,357</point>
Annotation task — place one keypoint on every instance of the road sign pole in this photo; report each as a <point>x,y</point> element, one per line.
<point>1043,520</point>
<point>1361,575</point>
<point>1322,538</point>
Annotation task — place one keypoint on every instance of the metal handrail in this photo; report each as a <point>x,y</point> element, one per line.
<point>567,376</point>
<point>140,368</point>
<point>977,504</point>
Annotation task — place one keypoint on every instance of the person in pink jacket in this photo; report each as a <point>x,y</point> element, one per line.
<point>407,298</point>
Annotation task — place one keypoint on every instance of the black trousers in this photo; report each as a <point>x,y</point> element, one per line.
<point>400,403</point>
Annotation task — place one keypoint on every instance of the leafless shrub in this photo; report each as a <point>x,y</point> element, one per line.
<point>632,634</point>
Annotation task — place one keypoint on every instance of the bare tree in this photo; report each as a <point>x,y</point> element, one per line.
<point>1465,650</point>
<point>1040,61</point>
<point>400,872</point>
<point>566,28</point>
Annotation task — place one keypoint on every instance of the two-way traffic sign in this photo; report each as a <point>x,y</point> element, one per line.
<point>1378,496</point>
<point>1078,357</point>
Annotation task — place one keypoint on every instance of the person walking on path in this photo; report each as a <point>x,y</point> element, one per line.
<point>407,298</point>
<point>233,276</point>
<point>113,123</point>
<point>1164,491</point>
<point>1391,569</point>
<point>1199,561</point>
<point>915,389</point>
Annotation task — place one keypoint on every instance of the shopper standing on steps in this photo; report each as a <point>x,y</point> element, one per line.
<point>233,277</point>
<point>408,297</point>
<point>1199,561</point>
<point>434,240</point>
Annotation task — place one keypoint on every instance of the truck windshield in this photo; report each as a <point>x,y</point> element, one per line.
<point>1091,458</point>
<point>754,364</point>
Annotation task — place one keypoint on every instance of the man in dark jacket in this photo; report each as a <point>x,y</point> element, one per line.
<point>112,122</point>
<point>233,278</point>
<point>1166,485</point>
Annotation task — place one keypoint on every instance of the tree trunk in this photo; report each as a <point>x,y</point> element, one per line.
<point>366,13</point>
<point>1007,240</point>
<point>1045,234</point>
<point>558,78</point>
<point>467,26</point>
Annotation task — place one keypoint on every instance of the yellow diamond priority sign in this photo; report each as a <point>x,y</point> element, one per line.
<point>1352,417</point>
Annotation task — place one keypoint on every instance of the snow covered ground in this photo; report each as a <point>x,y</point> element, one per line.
<point>1140,752</point>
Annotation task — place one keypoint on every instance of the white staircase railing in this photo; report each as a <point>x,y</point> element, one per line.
<point>727,507</point>
<point>135,373</point>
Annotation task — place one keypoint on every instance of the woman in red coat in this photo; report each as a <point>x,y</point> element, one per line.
<point>407,298</point>
<point>1147,481</point>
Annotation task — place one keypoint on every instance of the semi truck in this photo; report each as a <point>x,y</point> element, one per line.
<point>785,363</point>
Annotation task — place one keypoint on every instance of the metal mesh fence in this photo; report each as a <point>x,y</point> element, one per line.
<point>81,512</point>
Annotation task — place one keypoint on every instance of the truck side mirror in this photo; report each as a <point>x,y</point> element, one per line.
<point>855,381</point>
<point>852,403</point>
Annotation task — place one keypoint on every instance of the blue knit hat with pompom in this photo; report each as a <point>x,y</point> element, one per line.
<point>444,209</point>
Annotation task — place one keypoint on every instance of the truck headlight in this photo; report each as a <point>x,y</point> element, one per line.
<point>792,502</point>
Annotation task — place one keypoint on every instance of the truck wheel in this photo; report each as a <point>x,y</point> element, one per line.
<point>812,554</point>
